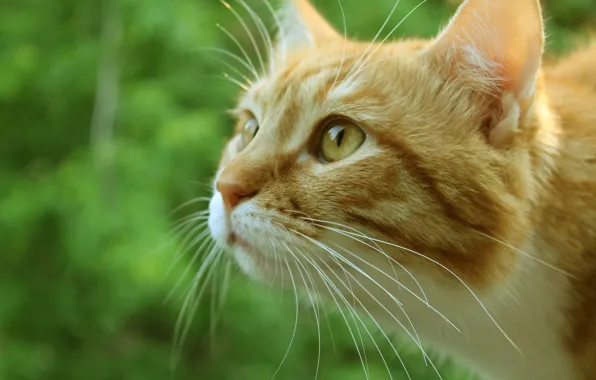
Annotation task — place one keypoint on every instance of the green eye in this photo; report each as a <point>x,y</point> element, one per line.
<point>340,138</point>
<point>249,131</point>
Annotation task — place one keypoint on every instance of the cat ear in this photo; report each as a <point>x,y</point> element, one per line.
<point>500,42</point>
<point>302,26</point>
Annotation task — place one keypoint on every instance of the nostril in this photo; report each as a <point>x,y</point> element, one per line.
<point>233,193</point>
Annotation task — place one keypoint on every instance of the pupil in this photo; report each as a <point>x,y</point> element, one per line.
<point>340,137</point>
<point>337,134</point>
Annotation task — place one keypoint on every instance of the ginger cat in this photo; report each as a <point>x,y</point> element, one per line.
<point>445,188</point>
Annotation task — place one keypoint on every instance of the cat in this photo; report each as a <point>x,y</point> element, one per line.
<point>445,188</point>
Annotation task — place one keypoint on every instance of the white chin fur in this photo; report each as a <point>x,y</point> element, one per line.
<point>220,232</point>
<point>217,219</point>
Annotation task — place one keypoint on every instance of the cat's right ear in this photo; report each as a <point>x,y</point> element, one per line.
<point>301,26</point>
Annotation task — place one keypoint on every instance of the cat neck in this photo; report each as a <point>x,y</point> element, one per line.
<point>566,217</point>
<point>544,311</point>
<point>549,306</point>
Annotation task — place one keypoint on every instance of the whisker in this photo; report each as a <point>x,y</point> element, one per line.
<point>188,231</point>
<point>210,246</point>
<point>355,317</point>
<point>190,202</point>
<point>225,283</point>
<point>295,321</point>
<point>195,304</point>
<point>351,308</point>
<point>218,302</point>
<point>205,186</point>
<point>276,260</point>
<point>183,321</point>
<point>235,81</point>
<point>212,313</point>
<point>280,28</point>
<point>381,329</point>
<point>226,77</point>
<point>374,320</point>
<point>343,54</point>
<point>376,247</point>
<point>389,34</point>
<point>340,257</point>
<point>182,229</point>
<point>198,251</point>
<point>183,222</point>
<point>526,254</point>
<point>467,287</point>
<point>376,62</point>
<point>400,305</point>
<point>416,338</point>
<point>262,31</point>
<point>312,302</point>
<point>484,308</point>
<point>425,301</point>
<point>362,357</point>
<point>189,219</point>
<point>247,80</point>
<point>363,324</point>
<point>248,32</point>
<point>239,45</point>
<point>235,57</point>
<point>371,44</point>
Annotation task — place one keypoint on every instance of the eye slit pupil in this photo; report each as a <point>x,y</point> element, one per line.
<point>331,147</point>
<point>340,137</point>
<point>337,134</point>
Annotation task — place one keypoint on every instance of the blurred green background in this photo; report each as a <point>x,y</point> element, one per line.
<point>90,181</point>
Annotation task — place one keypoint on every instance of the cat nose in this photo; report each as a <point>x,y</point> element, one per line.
<point>234,191</point>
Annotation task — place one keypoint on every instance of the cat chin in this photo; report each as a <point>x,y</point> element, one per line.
<point>255,265</point>
<point>247,263</point>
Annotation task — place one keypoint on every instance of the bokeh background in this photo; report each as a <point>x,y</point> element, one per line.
<point>111,116</point>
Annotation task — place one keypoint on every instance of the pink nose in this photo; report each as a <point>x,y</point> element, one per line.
<point>234,191</point>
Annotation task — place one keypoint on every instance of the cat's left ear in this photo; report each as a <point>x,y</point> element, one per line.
<point>502,38</point>
<point>302,26</point>
<point>496,46</point>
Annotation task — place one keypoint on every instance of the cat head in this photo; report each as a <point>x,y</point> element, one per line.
<point>356,160</point>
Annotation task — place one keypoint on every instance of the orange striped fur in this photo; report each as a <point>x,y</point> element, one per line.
<point>473,193</point>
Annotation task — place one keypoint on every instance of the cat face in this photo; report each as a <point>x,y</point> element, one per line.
<point>373,162</point>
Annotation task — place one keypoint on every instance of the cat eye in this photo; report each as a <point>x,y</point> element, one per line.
<point>340,138</point>
<point>249,131</point>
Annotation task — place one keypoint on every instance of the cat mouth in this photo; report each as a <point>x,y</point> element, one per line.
<point>234,240</point>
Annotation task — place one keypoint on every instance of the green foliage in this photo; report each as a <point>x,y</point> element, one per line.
<point>86,215</point>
